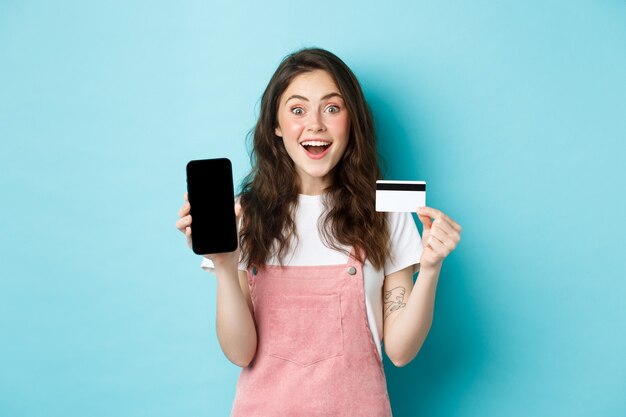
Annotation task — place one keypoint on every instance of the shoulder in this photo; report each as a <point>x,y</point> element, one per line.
<point>399,223</point>
<point>405,244</point>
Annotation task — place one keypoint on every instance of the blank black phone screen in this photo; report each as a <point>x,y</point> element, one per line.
<point>212,206</point>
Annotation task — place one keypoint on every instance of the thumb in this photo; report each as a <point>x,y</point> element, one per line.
<point>426,221</point>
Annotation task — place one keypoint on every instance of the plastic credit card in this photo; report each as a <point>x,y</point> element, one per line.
<point>400,196</point>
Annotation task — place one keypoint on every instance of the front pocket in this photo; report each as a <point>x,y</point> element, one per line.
<point>305,329</point>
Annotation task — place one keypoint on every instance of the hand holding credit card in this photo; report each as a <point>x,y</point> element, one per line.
<point>400,196</point>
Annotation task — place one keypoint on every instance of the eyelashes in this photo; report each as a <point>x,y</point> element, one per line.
<point>299,111</point>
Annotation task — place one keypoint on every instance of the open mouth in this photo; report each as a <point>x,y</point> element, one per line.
<point>316,148</point>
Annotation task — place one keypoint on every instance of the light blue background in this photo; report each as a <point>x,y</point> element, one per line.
<point>514,112</point>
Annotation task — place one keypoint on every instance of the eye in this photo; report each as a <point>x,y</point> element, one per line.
<point>298,111</point>
<point>332,108</point>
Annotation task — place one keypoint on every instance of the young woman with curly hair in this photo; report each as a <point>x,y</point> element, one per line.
<point>320,278</point>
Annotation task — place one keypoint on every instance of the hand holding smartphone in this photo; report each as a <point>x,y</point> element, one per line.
<point>211,203</point>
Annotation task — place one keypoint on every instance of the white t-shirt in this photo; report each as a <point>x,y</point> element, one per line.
<point>406,250</point>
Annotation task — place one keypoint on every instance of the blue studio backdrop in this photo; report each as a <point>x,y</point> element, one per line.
<point>513,112</point>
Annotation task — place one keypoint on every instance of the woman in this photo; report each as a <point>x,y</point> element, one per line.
<point>321,277</point>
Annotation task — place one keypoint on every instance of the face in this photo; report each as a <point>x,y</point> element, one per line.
<point>314,125</point>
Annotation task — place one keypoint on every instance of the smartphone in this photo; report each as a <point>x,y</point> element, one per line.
<point>212,206</point>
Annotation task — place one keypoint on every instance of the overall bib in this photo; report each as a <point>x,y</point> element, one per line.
<point>315,353</point>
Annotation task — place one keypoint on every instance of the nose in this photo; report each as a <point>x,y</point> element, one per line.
<point>315,123</point>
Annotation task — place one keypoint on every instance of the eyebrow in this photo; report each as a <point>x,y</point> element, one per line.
<point>327,96</point>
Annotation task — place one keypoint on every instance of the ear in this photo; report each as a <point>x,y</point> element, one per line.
<point>278,132</point>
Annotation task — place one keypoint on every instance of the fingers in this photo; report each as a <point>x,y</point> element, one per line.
<point>188,236</point>
<point>448,241</point>
<point>184,210</point>
<point>183,213</point>
<point>430,212</point>
<point>437,246</point>
<point>183,223</point>
<point>444,226</point>
<point>425,221</point>
<point>441,224</point>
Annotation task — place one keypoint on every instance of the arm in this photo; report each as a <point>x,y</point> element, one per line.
<point>235,325</point>
<point>408,312</point>
<point>408,309</point>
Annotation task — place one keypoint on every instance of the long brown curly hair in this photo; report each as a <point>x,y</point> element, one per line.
<point>270,191</point>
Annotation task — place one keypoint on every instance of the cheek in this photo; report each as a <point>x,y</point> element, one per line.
<point>292,127</point>
<point>341,126</point>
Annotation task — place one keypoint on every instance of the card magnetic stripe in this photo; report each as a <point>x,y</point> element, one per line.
<point>400,187</point>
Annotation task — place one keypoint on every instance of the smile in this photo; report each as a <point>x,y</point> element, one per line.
<point>316,149</point>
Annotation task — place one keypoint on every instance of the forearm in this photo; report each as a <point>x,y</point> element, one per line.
<point>409,328</point>
<point>236,331</point>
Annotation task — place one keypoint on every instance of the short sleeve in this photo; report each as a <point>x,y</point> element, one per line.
<point>405,243</point>
<point>207,265</point>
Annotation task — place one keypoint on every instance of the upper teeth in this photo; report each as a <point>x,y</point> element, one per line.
<point>314,143</point>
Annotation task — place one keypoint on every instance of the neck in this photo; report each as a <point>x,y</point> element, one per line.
<point>313,188</point>
<point>312,185</point>
<point>312,191</point>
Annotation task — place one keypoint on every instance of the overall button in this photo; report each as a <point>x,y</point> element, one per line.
<point>253,271</point>
<point>352,270</point>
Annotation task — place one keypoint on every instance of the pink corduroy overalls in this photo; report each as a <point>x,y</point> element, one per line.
<point>315,353</point>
